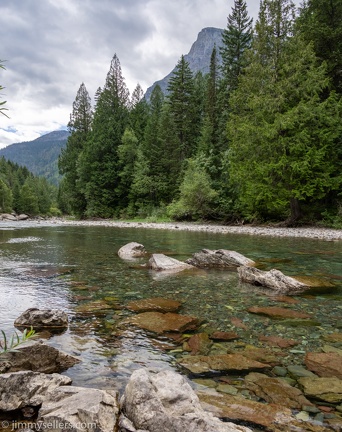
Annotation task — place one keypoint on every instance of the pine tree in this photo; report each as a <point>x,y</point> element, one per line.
<point>181,100</point>
<point>139,111</point>
<point>98,163</point>
<point>282,134</point>
<point>79,127</point>
<point>236,38</point>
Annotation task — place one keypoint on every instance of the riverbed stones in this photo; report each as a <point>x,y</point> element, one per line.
<point>278,341</point>
<point>39,318</point>
<point>165,401</point>
<point>333,337</point>
<point>157,304</point>
<point>160,323</point>
<point>161,262</point>
<point>237,408</point>
<point>78,409</point>
<point>27,388</point>
<point>278,312</point>
<point>224,336</point>
<point>276,280</point>
<point>198,344</point>
<point>221,363</point>
<point>220,258</point>
<point>37,357</point>
<point>275,390</point>
<point>132,250</point>
<point>324,364</point>
<point>324,389</point>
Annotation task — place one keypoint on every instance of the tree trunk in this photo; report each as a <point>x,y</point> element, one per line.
<point>296,212</point>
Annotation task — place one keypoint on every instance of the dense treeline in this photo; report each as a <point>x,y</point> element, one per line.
<point>22,192</point>
<point>258,138</point>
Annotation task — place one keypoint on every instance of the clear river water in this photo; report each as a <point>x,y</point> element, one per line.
<point>77,269</point>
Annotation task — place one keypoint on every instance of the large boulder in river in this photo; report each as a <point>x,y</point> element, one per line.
<point>273,279</point>
<point>220,258</point>
<point>132,250</point>
<point>41,318</point>
<point>37,357</point>
<point>21,389</point>
<point>161,262</point>
<point>79,409</point>
<point>165,401</point>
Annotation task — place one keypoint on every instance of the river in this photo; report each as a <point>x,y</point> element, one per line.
<point>77,269</point>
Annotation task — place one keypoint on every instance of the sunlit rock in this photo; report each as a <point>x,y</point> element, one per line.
<point>324,364</point>
<point>80,409</point>
<point>21,389</point>
<point>132,250</point>
<point>161,262</point>
<point>219,258</point>
<point>165,401</point>
<point>325,389</point>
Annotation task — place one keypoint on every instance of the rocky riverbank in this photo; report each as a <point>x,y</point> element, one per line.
<point>307,232</point>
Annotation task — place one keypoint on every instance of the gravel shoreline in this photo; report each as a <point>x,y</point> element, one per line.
<point>309,232</point>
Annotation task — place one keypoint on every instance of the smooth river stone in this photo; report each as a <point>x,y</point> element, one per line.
<point>325,389</point>
<point>157,304</point>
<point>221,363</point>
<point>162,323</point>
<point>278,312</point>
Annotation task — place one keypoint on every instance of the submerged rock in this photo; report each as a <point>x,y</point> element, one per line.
<point>165,401</point>
<point>21,389</point>
<point>277,281</point>
<point>37,357</point>
<point>278,341</point>
<point>132,250</point>
<point>325,389</point>
<point>219,258</point>
<point>79,409</point>
<point>277,312</point>
<point>199,344</point>
<point>39,318</point>
<point>221,363</point>
<point>276,390</point>
<point>157,304</point>
<point>325,364</point>
<point>161,262</point>
<point>162,323</point>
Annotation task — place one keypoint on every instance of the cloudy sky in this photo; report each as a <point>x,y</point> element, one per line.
<point>51,46</point>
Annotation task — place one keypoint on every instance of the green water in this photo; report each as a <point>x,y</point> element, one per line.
<point>77,269</point>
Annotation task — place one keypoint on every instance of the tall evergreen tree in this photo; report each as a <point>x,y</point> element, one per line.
<point>181,100</point>
<point>236,38</point>
<point>98,163</point>
<point>79,127</point>
<point>321,22</point>
<point>282,134</point>
<point>139,111</point>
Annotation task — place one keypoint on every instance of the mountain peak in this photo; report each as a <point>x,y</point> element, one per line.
<point>198,56</point>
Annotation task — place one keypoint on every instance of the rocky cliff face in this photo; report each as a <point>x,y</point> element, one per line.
<point>198,56</point>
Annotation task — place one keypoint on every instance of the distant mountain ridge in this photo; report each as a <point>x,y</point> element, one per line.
<point>40,156</point>
<point>198,56</point>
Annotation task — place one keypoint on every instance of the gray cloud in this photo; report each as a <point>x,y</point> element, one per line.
<point>52,46</point>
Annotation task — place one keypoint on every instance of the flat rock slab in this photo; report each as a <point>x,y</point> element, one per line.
<point>37,357</point>
<point>236,408</point>
<point>132,250</point>
<point>74,406</point>
<point>325,389</point>
<point>156,304</point>
<point>21,389</point>
<point>333,337</point>
<point>278,312</point>
<point>224,336</point>
<point>220,258</point>
<point>199,344</point>
<point>221,363</point>
<point>278,341</point>
<point>162,323</point>
<point>276,391</point>
<point>39,318</point>
<point>277,281</point>
<point>161,262</point>
<point>325,364</point>
<point>165,401</point>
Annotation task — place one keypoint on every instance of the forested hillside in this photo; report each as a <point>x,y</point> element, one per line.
<point>39,156</point>
<point>256,139</point>
<point>22,192</point>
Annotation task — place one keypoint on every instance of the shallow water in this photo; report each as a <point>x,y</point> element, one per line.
<point>77,269</point>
